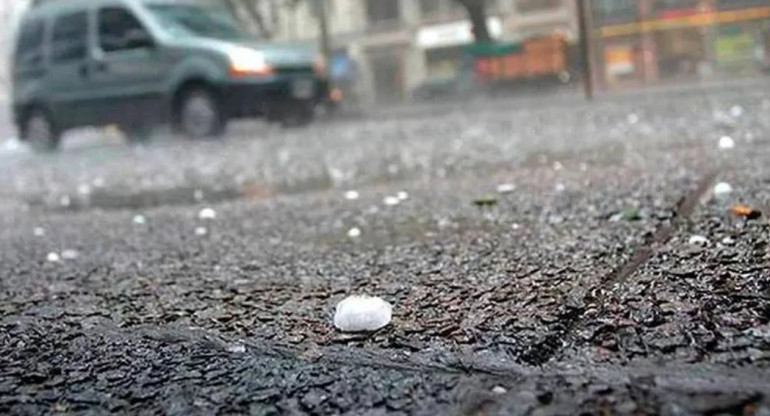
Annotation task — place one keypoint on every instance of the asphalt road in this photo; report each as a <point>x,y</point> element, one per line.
<point>579,292</point>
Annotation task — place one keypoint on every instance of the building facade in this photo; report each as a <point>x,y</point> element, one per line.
<point>385,49</point>
<point>640,42</point>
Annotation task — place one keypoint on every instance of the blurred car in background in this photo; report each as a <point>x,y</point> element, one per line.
<point>141,63</point>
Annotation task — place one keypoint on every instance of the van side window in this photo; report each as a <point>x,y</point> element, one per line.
<point>29,49</point>
<point>119,29</point>
<point>70,38</point>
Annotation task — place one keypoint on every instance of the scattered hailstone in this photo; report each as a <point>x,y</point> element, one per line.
<point>70,254</point>
<point>699,240</point>
<point>207,214</point>
<point>583,167</point>
<point>506,188</point>
<point>726,142</point>
<point>632,118</point>
<point>236,348</point>
<point>65,201</point>
<point>736,111</point>
<point>354,232</point>
<point>499,390</point>
<point>391,200</point>
<point>362,313</point>
<point>515,226</point>
<point>38,231</point>
<point>198,195</point>
<point>728,241</point>
<point>722,189</point>
<point>201,231</point>
<point>53,257</point>
<point>557,166</point>
<point>352,195</point>
<point>560,187</point>
<point>98,182</point>
<point>402,195</point>
<point>140,220</point>
<point>84,189</point>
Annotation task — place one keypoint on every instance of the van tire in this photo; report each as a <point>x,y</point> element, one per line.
<point>40,132</point>
<point>199,114</point>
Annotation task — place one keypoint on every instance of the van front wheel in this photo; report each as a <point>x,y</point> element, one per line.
<point>199,114</point>
<point>40,132</point>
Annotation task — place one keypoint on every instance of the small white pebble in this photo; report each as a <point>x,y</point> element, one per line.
<point>53,257</point>
<point>391,200</point>
<point>70,254</point>
<point>354,232</point>
<point>726,143</point>
<point>201,231</point>
<point>352,195</point>
<point>506,188</point>
<point>699,240</point>
<point>402,195</point>
<point>722,189</point>
<point>362,313</point>
<point>38,232</point>
<point>140,220</point>
<point>207,214</point>
<point>236,348</point>
<point>499,390</point>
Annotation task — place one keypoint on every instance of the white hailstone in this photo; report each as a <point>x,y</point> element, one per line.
<point>198,195</point>
<point>53,257</point>
<point>354,232</point>
<point>699,240</point>
<point>515,226</point>
<point>499,390</point>
<point>402,195</point>
<point>362,313</point>
<point>236,348</point>
<point>560,187</point>
<point>352,195</point>
<point>98,182</point>
<point>391,200</point>
<point>722,189</point>
<point>726,142</point>
<point>506,188</point>
<point>201,231</point>
<point>65,201</point>
<point>207,214</point>
<point>557,166</point>
<point>728,241</point>
<point>84,189</point>
<point>632,118</point>
<point>583,167</point>
<point>70,254</point>
<point>38,231</point>
<point>140,220</point>
<point>736,111</point>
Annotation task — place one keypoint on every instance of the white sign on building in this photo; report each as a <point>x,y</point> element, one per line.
<point>454,33</point>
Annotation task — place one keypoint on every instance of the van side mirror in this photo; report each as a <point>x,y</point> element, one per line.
<point>137,39</point>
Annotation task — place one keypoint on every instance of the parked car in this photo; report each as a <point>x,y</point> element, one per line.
<point>140,63</point>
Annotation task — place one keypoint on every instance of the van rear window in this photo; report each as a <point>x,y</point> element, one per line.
<point>29,48</point>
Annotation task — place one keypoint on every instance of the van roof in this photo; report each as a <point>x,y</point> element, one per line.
<point>48,7</point>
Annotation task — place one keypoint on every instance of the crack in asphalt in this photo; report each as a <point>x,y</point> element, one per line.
<point>574,318</point>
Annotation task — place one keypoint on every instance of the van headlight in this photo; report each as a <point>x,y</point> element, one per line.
<point>245,62</point>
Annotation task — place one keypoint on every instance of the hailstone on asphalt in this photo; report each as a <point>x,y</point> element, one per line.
<point>722,189</point>
<point>207,214</point>
<point>506,188</point>
<point>391,200</point>
<point>352,195</point>
<point>362,313</point>
<point>402,195</point>
<point>38,231</point>
<point>699,240</point>
<point>354,232</point>
<point>726,142</point>
<point>53,257</point>
<point>140,220</point>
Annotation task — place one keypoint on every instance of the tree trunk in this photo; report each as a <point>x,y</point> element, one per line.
<point>478,16</point>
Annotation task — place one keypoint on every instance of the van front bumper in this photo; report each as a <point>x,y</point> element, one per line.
<point>273,96</point>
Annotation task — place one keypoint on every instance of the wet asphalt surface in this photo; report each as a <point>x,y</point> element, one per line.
<point>579,292</point>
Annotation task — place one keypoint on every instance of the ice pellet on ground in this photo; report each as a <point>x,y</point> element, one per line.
<point>736,111</point>
<point>506,188</point>
<point>560,187</point>
<point>362,313</point>
<point>198,195</point>
<point>354,232</point>
<point>402,195</point>
<point>65,201</point>
<point>98,182</point>
<point>84,189</point>
<point>70,254</point>
<point>391,200</point>
<point>726,142</point>
<point>722,189</point>
<point>53,257</point>
<point>632,118</point>
<point>728,241</point>
<point>499,390</point>
<point>38,232</point>
<point>352,195</point>
<point>558,166</point>
<point>140,220</point>
<point>201,231</point>
<point>236,348</point>
<point>699,240</point>
<point>207,214</point>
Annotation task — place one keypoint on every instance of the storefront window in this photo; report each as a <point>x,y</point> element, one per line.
<point>382,11</point>
<point>528,6</point>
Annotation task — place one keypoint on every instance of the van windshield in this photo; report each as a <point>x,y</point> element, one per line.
<point>197,20</point>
